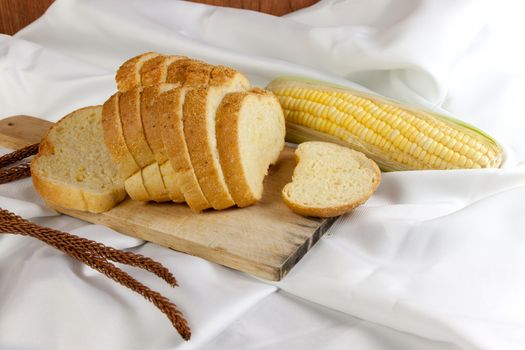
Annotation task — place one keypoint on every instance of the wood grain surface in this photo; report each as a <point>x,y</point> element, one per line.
<point>16,14</point>
<point>265,240</point>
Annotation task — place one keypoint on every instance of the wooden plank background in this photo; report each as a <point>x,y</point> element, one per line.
<point>16,14</point>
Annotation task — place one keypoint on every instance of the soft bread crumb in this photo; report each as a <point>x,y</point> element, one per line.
<point>330,180</point>
<point>250,136</point>
<point>73,168</point>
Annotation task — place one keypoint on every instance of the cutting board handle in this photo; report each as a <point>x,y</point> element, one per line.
<point>21,130</point>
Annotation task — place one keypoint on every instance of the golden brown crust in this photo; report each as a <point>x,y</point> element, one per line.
<point>56,193</point>
<point>200,149</point>
<point>134,136</point>
<point>149,114</point>
<point>152,130</point>
<point>221,75</point>
<point>326,212</point>
<point>129,103</point>
<point>101,202</point>
<point>128,74</point>
<point>114,138</point>
<point>176,149</point>
<point>227,129</point>
<point>151,71</point>
<point>189,72</point>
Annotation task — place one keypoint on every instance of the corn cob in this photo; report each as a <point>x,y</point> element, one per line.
<point>395,136</point>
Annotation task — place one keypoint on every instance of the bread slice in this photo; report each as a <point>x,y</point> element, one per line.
<point>128,169</point>
<point>200,109</point>
<point>250,136</point>
<point>170,104</point>
<point>152,132</point>
<point>330,180</point>
<point>132,129</point>
<point>114,138</point>
<point>129,73</point>
<point>73,168</point>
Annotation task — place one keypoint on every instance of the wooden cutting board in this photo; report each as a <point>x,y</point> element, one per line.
<point>265,240</point>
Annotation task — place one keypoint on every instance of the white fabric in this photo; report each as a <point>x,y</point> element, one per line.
<point>432,261</point>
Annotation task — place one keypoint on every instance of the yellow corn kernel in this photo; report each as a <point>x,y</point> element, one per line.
<point>396,137</point>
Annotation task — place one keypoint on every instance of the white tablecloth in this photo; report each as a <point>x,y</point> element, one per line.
<point>434,260</point>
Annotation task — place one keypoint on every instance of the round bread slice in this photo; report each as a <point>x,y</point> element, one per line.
<point>73,168</point>
<point>170,105</point>
<point>330,180</point>
<point>200,107</point>
<point>250,136</point>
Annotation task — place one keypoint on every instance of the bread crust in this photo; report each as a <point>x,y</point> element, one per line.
<point>155,70</point>
<point>130,111</point>
<point>128,75</point>
<point>152,132</point>
<point>326,212</point>
<point>151,71</point>
<point>189,72</point>
<point>114,138</point>
<point>134,136</point>
<point>149,114</point>
<point>175,145</point>
<point>200,149</point>
<point>101,202</point>
<point>60,194</point>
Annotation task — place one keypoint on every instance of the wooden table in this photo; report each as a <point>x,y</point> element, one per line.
<point>16,14</point>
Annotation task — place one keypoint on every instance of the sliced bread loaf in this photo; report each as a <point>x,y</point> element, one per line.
<point>183,71</point>
<point>330,180</point>
<point>200,107</point>
<point>73,168</point>
<point>139,120</point>
<point>250,136</point>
